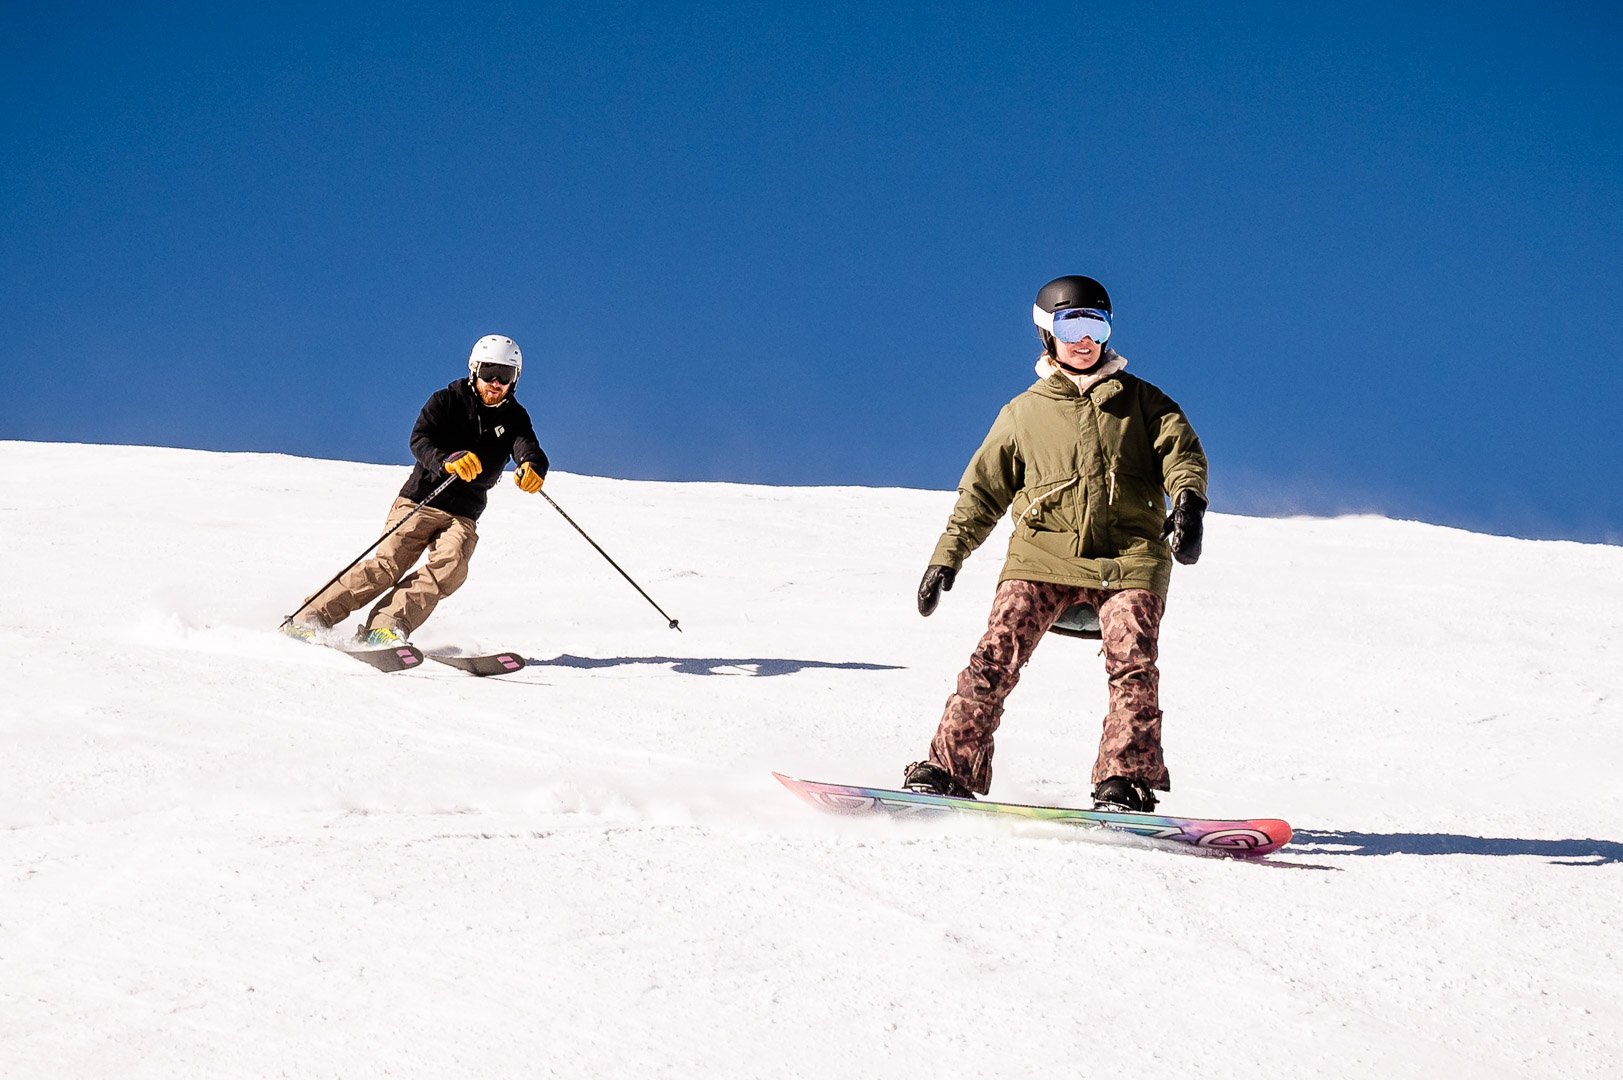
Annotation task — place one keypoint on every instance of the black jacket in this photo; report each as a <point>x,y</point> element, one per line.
<point>454,419</point>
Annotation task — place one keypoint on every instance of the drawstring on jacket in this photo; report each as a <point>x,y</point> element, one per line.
<point>1044,497</point>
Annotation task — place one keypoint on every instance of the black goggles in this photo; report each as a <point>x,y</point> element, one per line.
<point>505,374</point>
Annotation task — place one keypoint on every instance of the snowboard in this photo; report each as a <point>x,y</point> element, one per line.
<point>1245,838</point>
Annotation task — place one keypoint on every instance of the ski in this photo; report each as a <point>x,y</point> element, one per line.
<point>390,658</point>
<point>404,657</point>
<point>1244,837</point>
<point>501,663</point>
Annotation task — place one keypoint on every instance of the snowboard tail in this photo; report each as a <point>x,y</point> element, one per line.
<point>1248,838</point>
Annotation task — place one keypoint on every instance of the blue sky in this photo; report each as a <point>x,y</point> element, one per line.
<point>1373,251</point>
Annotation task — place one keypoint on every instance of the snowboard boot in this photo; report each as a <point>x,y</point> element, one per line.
<point>928,778</point>
<point>1124,796</point>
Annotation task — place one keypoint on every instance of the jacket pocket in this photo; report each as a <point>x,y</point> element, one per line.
<point>1136,505</point>
<point>1042,508</point>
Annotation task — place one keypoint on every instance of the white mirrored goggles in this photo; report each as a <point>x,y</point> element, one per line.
<point>1071,325</point>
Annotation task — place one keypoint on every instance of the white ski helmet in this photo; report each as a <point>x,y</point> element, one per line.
<point>495,349</point>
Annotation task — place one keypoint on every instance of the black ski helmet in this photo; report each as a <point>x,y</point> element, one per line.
<point>1071,291</point>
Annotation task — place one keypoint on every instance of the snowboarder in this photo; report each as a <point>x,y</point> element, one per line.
<point>1085,458</point>
<point>469,429</point>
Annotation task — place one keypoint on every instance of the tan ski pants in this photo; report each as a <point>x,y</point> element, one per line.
<point>406,601</point>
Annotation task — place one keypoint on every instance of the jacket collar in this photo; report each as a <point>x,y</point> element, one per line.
<point>1066,383</point>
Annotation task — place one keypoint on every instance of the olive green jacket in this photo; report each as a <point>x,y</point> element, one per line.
<point>1086,477</point>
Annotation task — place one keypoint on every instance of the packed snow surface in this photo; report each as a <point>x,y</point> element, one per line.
<point>229,854</point>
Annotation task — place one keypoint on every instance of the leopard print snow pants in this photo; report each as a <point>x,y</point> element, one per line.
<point>1022,612</point>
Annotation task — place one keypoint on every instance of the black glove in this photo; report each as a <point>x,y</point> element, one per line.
<point>1185,528</point>
<point>936,578</point>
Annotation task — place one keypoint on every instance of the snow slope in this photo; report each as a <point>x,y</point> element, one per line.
<point>229,854</point>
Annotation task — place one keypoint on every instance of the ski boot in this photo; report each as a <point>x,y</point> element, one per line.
<point>1123,796</point>
<point>385,636</point>
<point>300,631</point>
<point>928,778</point>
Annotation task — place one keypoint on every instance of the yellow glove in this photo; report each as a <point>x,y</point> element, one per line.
<point>465,464</point>
<point>528,480</point>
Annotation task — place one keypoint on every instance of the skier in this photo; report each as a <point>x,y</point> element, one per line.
<point>468,429</point>
<point>1085,458</point>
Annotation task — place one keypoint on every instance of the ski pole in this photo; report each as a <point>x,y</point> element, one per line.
<point>673,623</point>
<point>369,550</point>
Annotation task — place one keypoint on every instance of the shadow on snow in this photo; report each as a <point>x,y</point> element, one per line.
<point>1565,852</point>
<point>691,665</point>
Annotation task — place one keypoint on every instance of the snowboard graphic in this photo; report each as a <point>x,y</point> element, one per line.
<point>1246,838</point>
